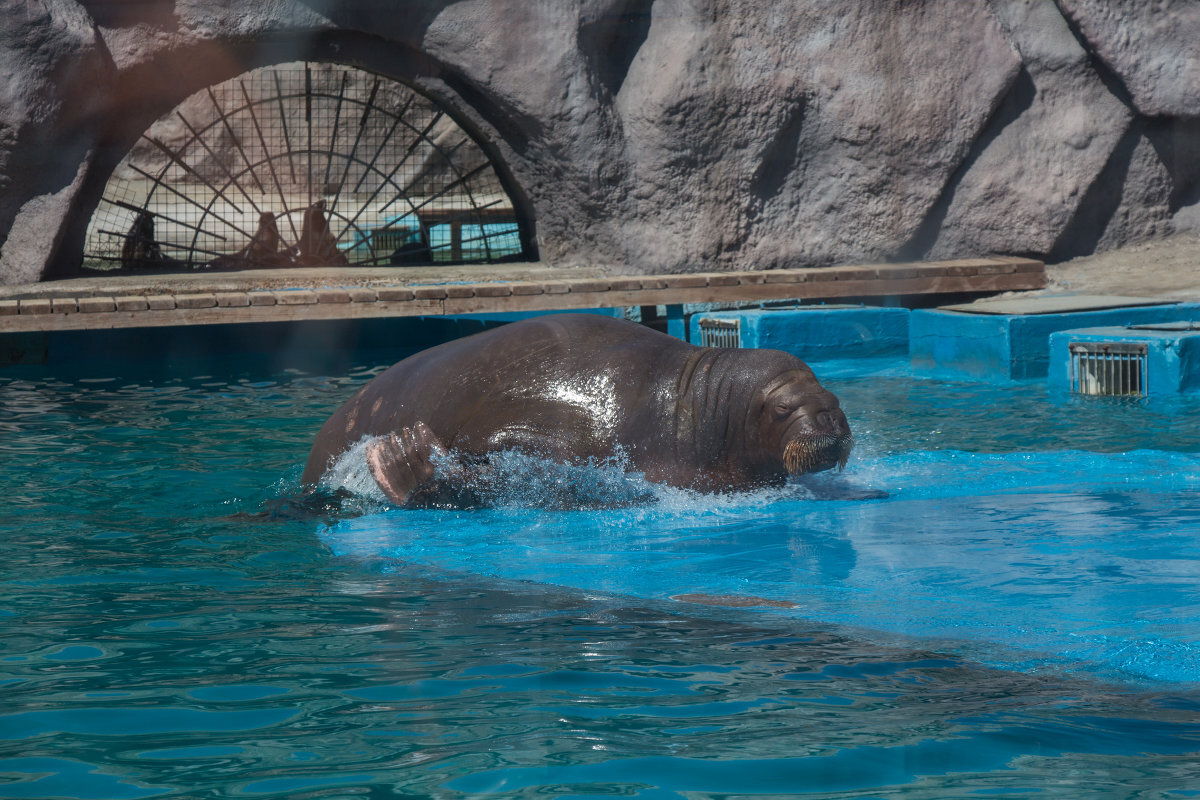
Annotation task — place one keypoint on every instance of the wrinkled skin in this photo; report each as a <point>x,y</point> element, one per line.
<point>578,386</point>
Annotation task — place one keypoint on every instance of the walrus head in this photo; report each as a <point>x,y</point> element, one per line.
<point>805,423</point>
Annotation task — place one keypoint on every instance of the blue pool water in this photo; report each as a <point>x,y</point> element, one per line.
<point>1019,617</point>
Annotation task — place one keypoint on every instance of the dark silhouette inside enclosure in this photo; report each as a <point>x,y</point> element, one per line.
<point>304,164</point>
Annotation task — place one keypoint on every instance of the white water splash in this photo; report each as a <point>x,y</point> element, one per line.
<point>350,472</point>
<point>514,480</point>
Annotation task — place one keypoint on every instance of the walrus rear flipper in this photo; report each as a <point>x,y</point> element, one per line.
<point>414,469</point>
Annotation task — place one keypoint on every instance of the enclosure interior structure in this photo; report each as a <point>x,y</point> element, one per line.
<point>304,164</point>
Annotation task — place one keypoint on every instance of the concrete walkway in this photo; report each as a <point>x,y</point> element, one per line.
<point>130,301</point>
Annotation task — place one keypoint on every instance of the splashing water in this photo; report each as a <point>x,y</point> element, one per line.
<point>509,479</point>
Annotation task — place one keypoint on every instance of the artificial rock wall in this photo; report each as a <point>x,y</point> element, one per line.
<point>673,135</point>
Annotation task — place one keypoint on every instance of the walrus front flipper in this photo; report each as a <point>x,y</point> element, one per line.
<point>405,463</point>
<point>824,488</point>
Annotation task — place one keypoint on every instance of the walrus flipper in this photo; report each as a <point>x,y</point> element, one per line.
<point>836,489</point>
<point>405,465</point>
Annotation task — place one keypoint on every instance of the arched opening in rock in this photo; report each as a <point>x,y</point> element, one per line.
<point>304,164</point>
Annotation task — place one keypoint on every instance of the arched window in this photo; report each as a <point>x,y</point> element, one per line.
<point>304,164</point>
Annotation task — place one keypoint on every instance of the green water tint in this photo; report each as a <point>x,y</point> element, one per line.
<point>161,638</point>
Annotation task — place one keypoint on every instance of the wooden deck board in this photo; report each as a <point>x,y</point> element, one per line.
<point>222,301</point>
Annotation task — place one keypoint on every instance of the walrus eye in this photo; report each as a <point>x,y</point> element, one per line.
<point>783,410</point>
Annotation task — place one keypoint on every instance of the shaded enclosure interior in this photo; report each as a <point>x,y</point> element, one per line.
<point>303,164</point>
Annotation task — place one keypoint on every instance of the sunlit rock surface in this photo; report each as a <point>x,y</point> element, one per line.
<point>1151,46</point>
<point>673,135</point>
<point>53,72</point>
<point>1046,146</point>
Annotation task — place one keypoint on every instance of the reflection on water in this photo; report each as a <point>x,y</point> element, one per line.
<point>160,637</point>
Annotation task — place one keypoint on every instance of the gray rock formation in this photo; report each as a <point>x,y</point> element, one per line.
<point>672,135</point>
<point>1050,140</point>
<point>54,73</point>
<point>1152,46</point>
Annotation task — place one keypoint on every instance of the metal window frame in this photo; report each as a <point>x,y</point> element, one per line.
<point>276,140</point>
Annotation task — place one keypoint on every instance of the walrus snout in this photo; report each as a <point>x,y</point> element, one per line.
<point>814,452</point>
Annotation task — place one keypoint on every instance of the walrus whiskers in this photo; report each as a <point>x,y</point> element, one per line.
<point>806,453</point>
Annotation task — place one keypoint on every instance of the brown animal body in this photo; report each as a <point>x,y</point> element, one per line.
<point>578,387</point>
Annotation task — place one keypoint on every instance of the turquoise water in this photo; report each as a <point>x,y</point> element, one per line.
<point>1018,617</point>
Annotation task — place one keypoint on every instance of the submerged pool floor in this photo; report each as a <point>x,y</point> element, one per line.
<point>1018,616</point>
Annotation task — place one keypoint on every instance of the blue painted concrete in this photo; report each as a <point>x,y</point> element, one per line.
<point>818,332</point>
<point>1172,357</point>
<point>676,324</point>
<point>956,345</point>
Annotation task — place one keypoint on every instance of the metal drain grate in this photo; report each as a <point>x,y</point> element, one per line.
<point>1112,369</point>
<point>720,332</point>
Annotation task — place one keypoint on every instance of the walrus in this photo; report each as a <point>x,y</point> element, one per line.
<point>264,246</point>
<point>262,251</point>
<point>317,246</point>
<point>581,387</point>
<point>140,249</point>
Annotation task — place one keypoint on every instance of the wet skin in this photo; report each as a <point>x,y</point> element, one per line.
<point>575,387</point>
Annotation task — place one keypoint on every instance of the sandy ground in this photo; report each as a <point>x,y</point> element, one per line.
<point>1168,268</point>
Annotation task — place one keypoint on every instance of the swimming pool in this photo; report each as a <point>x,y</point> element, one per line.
<point>1019,616</point>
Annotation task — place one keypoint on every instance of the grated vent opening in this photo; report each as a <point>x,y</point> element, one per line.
<point>1109,369</point>
<point>720,332</point>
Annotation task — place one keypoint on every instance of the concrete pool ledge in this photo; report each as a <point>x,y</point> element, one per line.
<point>1008,339</point>
<point>132,301</point>
<point>810,332</point>
<point>1169,360</point>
